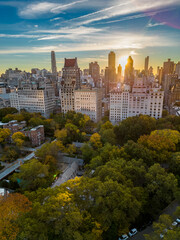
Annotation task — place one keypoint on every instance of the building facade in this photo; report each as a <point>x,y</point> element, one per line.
<point>34,98</point>
<point>89,101</point>
<point>141,100</point>
<point>70,82</point>
<point>36,134</point>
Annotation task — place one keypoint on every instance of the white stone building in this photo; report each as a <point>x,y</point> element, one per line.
<point>141,100</point>
<point>34,98</point>
<point>89,101</point>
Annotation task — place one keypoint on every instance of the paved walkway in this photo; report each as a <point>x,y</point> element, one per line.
<point>16,164</point>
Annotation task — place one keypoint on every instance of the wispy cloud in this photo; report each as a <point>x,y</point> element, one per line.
<point>150,25</point>
<point>18,36</point>
<point>100,42</point>
<point>38,9</point>
<point>124,8</point>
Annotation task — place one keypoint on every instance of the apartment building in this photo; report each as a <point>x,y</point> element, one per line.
<point>142,99</point>
<point>89,101</point>
<point>34,97</point>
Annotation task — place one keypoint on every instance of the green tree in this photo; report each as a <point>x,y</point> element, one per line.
<point>49,149</point>
<point>36,121</point>
<point>87,152</point>
<point>108,136</point>
<point>160,186</point>
<point>5,111</point>
<point>32,175</point>
<point>133,127</point>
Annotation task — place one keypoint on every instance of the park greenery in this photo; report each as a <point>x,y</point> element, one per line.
<point>132,172</point>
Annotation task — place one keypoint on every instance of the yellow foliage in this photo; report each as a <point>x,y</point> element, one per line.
<point>96,140</point>
<point>10,209</point>
<point>4,134</point>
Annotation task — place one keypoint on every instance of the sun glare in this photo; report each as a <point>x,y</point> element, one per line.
<point>123,62</point>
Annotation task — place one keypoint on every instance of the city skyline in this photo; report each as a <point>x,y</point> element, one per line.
<point>88,30</point>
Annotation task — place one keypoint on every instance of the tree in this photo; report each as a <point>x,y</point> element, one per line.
<point>36,121</point>
<point>32,175</point>
<point>133,127</point>
<point>164,227</point>
<point>71,149</point>
<point>10,154</point>
<point>4,134</point>
<point>61,135</point>
<point>18,138</point>
<point>162,141</point>
<point>55,215</point>
<point>160,186</point>
<point>87,152</point>
<point>5,111</point>
<point>49,149</point>
<point>108,136</point>
<point>95,141</point>
<point>11,208</point>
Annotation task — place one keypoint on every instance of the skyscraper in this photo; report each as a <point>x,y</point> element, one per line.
<point>53,64</point>
<point>146,65</point>
<point>110,73</point>
<point>111,60</point>
<point>70,82</point>
<point>54,73</point>
<point>129,72</point>
<point>168,67</point>
<point>119,74</point>
<point>94,71</point>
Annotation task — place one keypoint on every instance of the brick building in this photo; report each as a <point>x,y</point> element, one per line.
<point>36,135</point>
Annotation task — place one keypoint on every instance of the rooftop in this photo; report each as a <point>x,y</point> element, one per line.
<point>70,62</point>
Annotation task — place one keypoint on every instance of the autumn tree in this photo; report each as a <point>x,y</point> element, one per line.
<point>95,141</point>
<point>55,215</point>
<point>11,208</point>
<point>18,138</point>
<point>4,134</point>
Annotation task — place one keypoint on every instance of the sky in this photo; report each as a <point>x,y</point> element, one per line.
<point>88,30</point>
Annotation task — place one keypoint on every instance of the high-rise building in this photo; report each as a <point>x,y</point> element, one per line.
<point>168,67</point>
<point>178,69</point>
<point>146,65</point>
<point>160,74</point>
<point>34,97</point>
<point>54,73</point>
<point>89,101</point>
<point>70,82</point>
<point>112,60</point>
<point>129,72</point>
<point>110,73</point>
<point>142,99</point>
<point>94,71</point>
<point>150,71</point>
<point>119,73</point>
<point>53,64</point>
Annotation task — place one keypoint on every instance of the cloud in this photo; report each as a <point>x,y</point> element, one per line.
<point>150,25</point>
<point>18,36</point>
<point>35,10</point>
<point>105,41</point>
<point>125,8</point>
